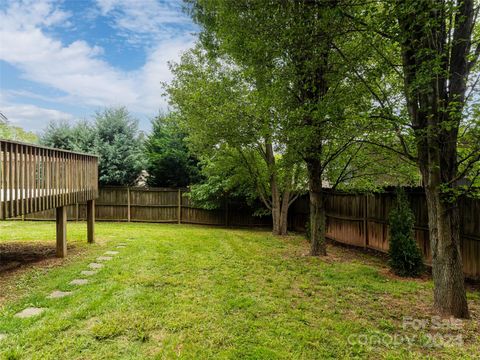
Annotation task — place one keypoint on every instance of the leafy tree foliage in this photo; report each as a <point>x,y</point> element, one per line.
<point>432,49</point>
<point>64,135</point>
<point>405,256</point>
<point>294,53</point>
<point>407,69</point>
<point>120,147</point>
<point>226,176</point>
<point>113,136</point>
<point>11,132</point>
<point>169,161</point>
<point>227,117</point>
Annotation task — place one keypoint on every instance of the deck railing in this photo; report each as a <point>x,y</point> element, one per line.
<point>35,178</point>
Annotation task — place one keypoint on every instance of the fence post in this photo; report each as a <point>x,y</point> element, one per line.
<point>77,212</point>
<point>179,206</point>
<point>365,221</point>
<point>128,204</point>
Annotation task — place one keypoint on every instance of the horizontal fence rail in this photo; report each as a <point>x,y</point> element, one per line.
<point>352,219</point>
<point>36,178</point>
<point>362,220</point>
<point>161,205</point>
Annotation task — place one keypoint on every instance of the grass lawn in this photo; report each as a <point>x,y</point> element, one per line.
<point>198,293</point>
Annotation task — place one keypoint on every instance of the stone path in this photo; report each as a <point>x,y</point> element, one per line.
<point>104,258</point>
<point>59,294</point>
<point>2,336</point>
<point>29,312</point>
<point>95,266</point>
<point>88,272</point>
<point>56,294</point>
<point>79,282</point>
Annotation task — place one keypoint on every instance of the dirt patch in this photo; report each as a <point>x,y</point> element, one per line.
<point>15,255</point>
<point>16,258</point>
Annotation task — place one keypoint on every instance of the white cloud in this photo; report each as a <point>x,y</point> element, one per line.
<point>144,20</point>
<point>32,117</point>
<point>76,69</point>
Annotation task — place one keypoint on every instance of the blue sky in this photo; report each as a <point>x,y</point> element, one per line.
<point>64,60</point>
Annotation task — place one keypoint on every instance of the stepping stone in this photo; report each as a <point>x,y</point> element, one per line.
<point>2,336</point>
<point>95,266</point>
<point>59,294</point>
<point>79,282</point>
<point>29,312</point>
<point>111,252</point>
<point>122,244</point>
<point>88,272</point>
<point>120,247</point>
<point>104,258</point>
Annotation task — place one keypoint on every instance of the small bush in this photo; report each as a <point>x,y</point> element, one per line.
<point>308,230</point>
<point>405,256</point>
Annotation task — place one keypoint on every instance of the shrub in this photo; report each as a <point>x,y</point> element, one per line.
<point>308,235</point>
<point>405,256</point>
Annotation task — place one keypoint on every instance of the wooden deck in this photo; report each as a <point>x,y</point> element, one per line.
<point>36,178</point>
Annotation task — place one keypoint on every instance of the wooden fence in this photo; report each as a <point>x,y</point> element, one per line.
<point>161,205</point>
<point>362,220</point>
<point>353,219</point>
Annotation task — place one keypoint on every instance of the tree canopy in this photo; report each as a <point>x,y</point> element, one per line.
<point>113,136</point>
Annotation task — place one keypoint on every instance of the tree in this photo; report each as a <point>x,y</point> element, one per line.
<point>226,177</point>
<point>405,256</point>
<point>435,76</point>
<point>169,161</point>
<point>113,136</point>
<point>119,145</point>
<point>293,51</point>
<point>428,46</point>
<point>64,135</point>
<point>222,110</point>
<point>10,132</point>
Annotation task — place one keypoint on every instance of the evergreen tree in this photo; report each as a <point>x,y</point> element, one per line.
<point>169,162</point>
<point>119,144</point>
<point>405,256</point>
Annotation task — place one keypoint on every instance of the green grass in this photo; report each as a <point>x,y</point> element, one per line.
<point>199,293</point>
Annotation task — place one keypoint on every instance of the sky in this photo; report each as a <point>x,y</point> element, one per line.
<point>67,59</point>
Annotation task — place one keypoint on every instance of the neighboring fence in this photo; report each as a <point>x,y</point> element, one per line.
<point>162,205</point>
<point>348,215</point>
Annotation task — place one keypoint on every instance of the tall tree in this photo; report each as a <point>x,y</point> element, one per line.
<point>222,110</point>
<point>169,161</point>
<point>119,145</point>
<point>290,49</point>
<point>435,39</point>
<point>113,136</point>
<point>433,48</point>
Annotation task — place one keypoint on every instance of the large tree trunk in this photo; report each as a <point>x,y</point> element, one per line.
<point>276,201</point>
<point>284,213</point>
<point>317,208</point>
<point>435,98</point>
<point>447,269</point>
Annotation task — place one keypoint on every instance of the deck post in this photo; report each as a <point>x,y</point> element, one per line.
<point>91,221</point>
<point>61,216</point>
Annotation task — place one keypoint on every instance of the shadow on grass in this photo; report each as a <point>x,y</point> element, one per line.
<point>16,255</point>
